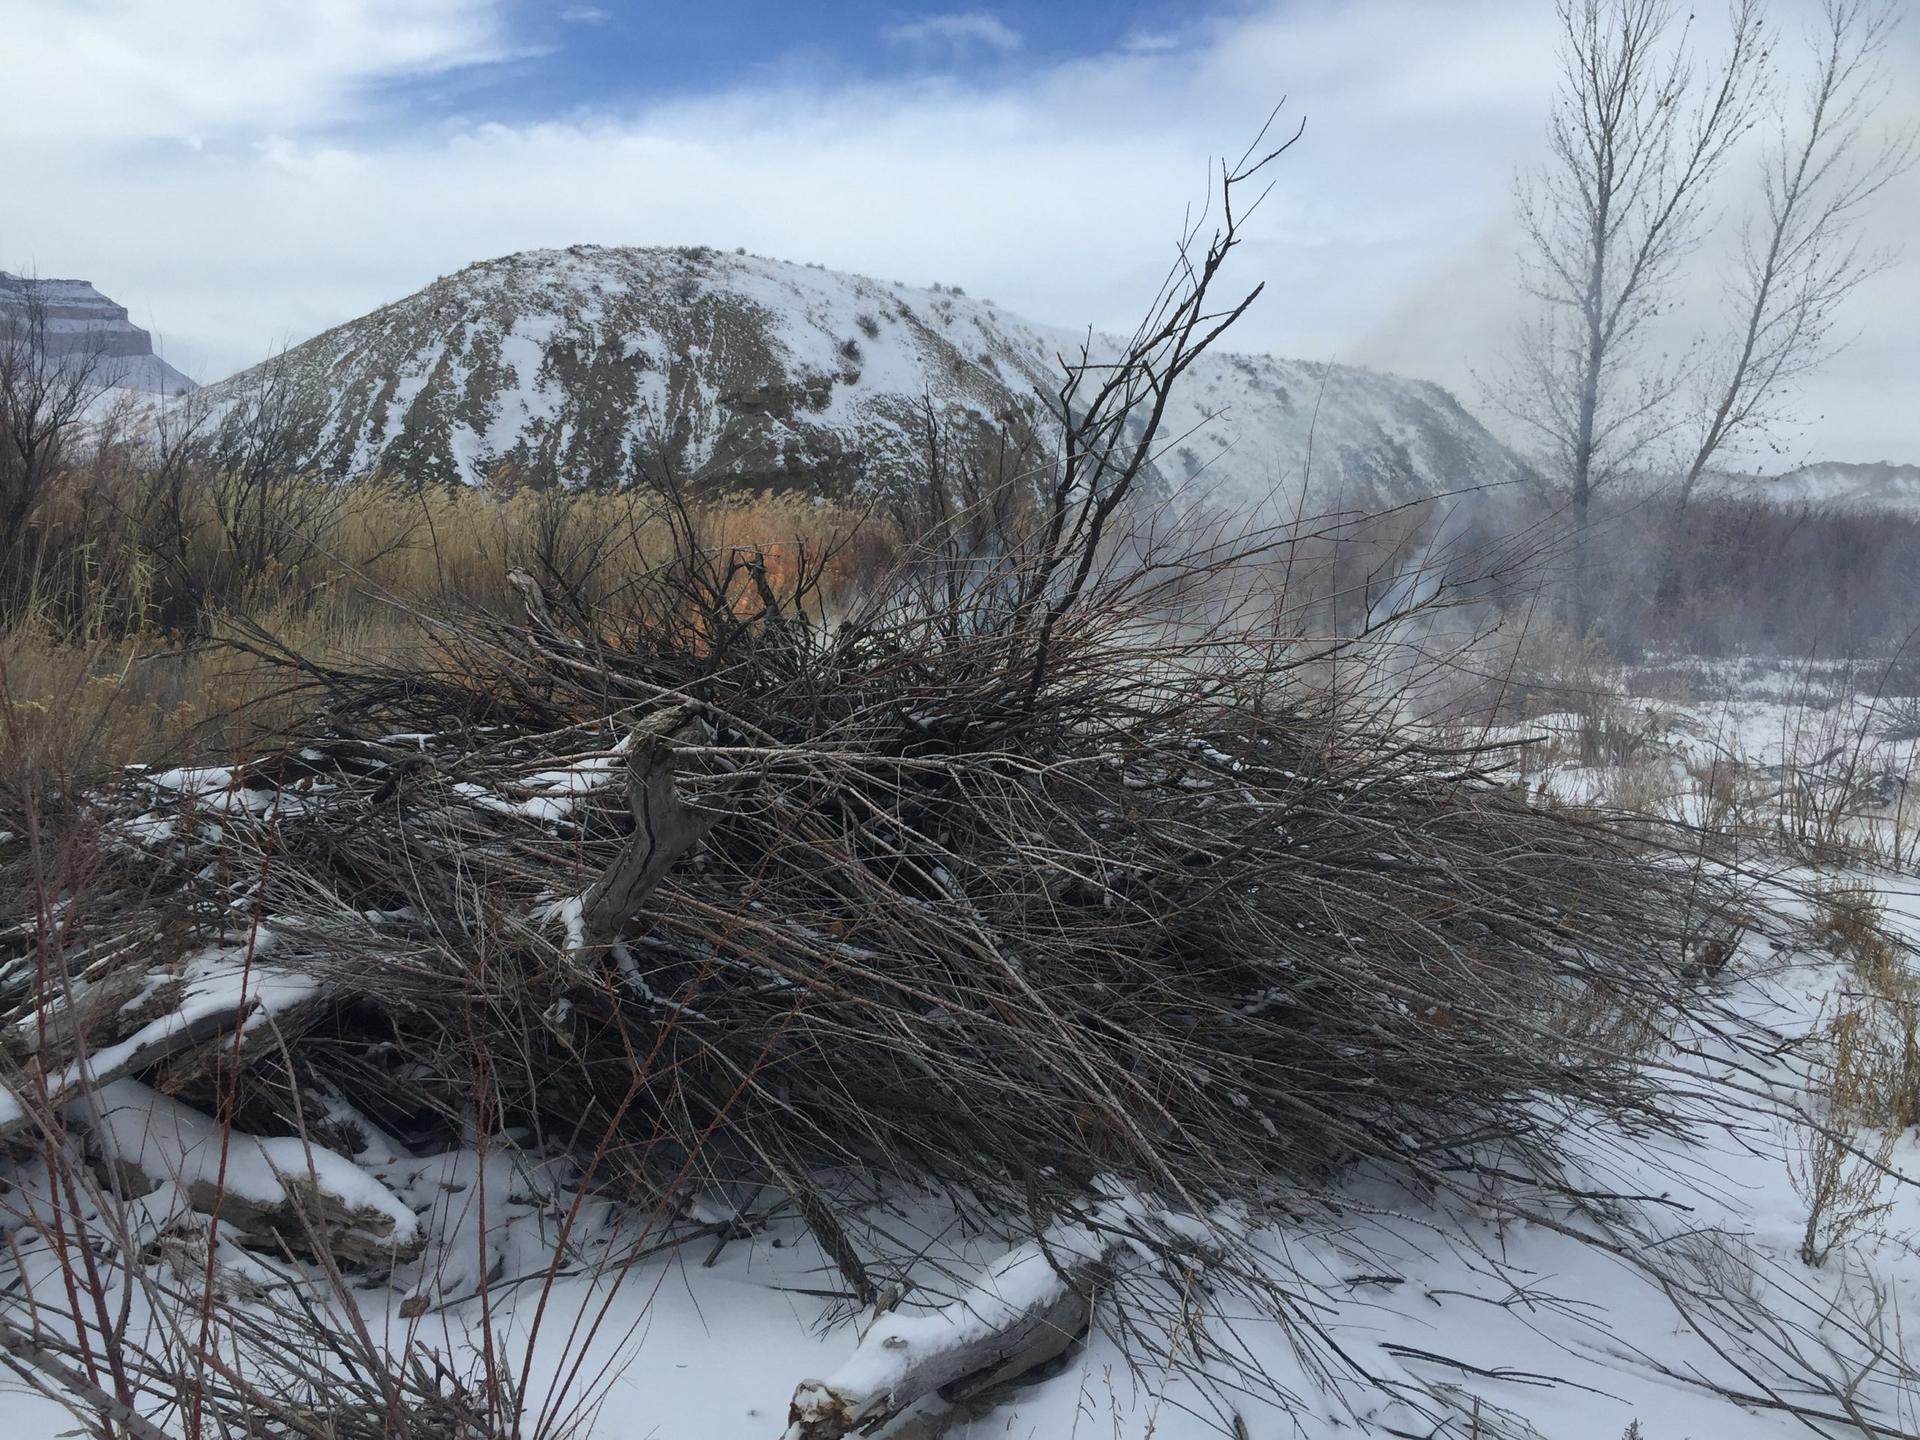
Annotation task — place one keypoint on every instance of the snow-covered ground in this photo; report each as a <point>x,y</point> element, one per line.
<point>710,1340</point>
<point>1685,1309</point>
<point>1810,755</point>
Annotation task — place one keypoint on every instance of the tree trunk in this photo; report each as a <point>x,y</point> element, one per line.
<point>663,830</point>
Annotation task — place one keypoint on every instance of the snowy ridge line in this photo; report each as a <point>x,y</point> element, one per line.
<point>587,361</point>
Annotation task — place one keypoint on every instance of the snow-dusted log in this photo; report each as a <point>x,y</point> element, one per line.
<point>268,1190</point>
<point>663,830</point>
<point>22,1103</point>
<point>216,994</point>
<point>1028,1308</point>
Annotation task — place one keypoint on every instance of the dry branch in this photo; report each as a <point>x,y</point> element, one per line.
<point>1024,1313</point>
<point>664,830</point>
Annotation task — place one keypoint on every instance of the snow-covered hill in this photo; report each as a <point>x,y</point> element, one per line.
<point>577,364</point>
<point>85,326</point>
<point>1882,486</point>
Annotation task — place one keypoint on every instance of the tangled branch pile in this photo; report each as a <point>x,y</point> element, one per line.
<point>1166,920</point>
<point>720,900</point>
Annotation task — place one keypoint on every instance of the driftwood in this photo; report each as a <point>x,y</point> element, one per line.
<point>1030,1309</point>
<point>31,1094</point>
<point>664,829</point>
<point>268,1192</point>
<point>310,1216</point>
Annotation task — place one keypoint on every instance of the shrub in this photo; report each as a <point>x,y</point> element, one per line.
<point>1838,1181</point>
<point>1851,921</point>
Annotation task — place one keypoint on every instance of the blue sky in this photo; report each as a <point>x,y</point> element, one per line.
<point>245,173</point>
<point>567,58</point>
<point>614,52</point>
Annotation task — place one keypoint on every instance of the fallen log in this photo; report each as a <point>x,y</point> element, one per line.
<point>219,993</point>
<point>268,1191</point>
<point>1030,1307</point>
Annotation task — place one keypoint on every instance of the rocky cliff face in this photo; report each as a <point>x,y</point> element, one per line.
<point>80,325</point>
<point>590,365</point>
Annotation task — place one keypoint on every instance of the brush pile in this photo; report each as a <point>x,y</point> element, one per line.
<point>724,902</point>
<point>1161,917</point>
<point>723,896</point>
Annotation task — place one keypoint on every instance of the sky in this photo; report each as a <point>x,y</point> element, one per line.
<point>245,173</point>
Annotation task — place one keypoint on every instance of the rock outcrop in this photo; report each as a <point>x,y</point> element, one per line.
<point>80,325</point>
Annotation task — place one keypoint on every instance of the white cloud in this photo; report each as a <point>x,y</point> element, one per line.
<point>113,72</point>
<point>1388,240</point>
<point>586,15</point>
<point>958,30</point>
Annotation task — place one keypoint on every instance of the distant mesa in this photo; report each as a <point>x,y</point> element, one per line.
<point>81,322</point>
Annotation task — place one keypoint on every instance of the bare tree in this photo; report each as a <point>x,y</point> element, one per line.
<point>268,507</point>
<point>1801,256</point>
<point>1639,131</point>
<point>46,391</point>
<point>170,474</point>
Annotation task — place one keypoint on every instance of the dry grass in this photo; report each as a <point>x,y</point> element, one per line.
<point>1852,923</point>
<point>114,653</point>
<point>1868,1092</point>
<point>1840,1165</point>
